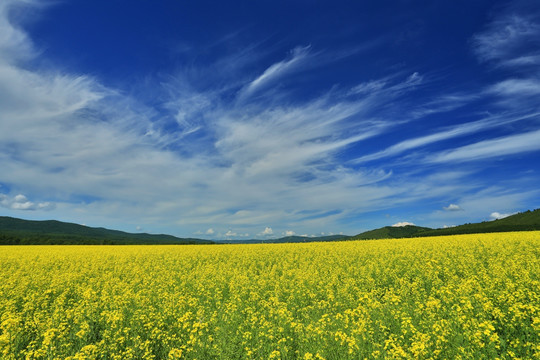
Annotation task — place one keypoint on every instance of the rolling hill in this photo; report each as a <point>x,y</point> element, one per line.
<point>525,221</point>
<point>391,232</point>
<point>17,231</point>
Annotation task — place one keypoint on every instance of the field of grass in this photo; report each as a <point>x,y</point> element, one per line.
<point>457,297</point>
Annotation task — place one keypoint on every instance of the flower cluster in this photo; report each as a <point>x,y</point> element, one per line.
<point>455,297</point>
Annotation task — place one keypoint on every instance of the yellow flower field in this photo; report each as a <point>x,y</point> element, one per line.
<point>455,297</point>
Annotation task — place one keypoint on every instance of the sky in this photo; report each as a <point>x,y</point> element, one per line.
<point>260,119</point>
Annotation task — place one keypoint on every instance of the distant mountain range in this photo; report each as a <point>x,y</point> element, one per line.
<point>17,231</point>
<point>287,239</point>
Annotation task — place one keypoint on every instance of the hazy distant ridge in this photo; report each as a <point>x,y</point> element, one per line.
<point>15,231</point>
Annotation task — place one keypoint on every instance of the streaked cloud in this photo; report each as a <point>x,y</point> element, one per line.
<point>520,87</point>
<point>276,71</point>
<point>200,149</point>
<point>508,38</point>
<point>503,146</point>
<point>448,133</point>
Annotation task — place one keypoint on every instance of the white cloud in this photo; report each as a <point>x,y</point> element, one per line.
<point>20,198</point>
<point>230,233</point>
<point>113,148</point>
<point>449,133</point>
<point>481,199</point>
<point>414,79</point>
<point>509,145</point>
<point>402,223</point>
<point>521,87</point>
<point>14,43</point>
<point>276,71</point>
<point>526,60</point>
<point>101,155</point>
<point>452,207</point>
<point>507,38</point>
<point>267,231</point>
<point>369,87</point>
<point>289,233</point>
<point>21,202</point>
<point>496,215</point>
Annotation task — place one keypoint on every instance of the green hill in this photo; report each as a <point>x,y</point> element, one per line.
<point>17,231</point>
<point>391,232</point>
<point>525,221</point>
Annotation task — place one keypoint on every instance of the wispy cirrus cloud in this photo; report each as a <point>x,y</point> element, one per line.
<point>206,152</point>
<point>497,147</point>
<point>14,42</point>
<point>276,71</point>
<point>445,103</point>
<point>105,148</point>
<point>448,133</point>
<point>509,38</point>
<point>516,87</point>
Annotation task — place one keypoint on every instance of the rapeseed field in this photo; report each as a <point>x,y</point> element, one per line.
<point>455,297</point>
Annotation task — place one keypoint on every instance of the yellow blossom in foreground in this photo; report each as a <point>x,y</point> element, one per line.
<point>451,297</point>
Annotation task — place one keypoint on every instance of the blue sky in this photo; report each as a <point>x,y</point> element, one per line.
<point>262,119</point>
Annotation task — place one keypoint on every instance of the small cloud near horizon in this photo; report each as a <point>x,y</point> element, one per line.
<point>267,231</point>
<point>452,207</point>
<point>497,215</point>
<point>402,223</point>
<point>21,202</point>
